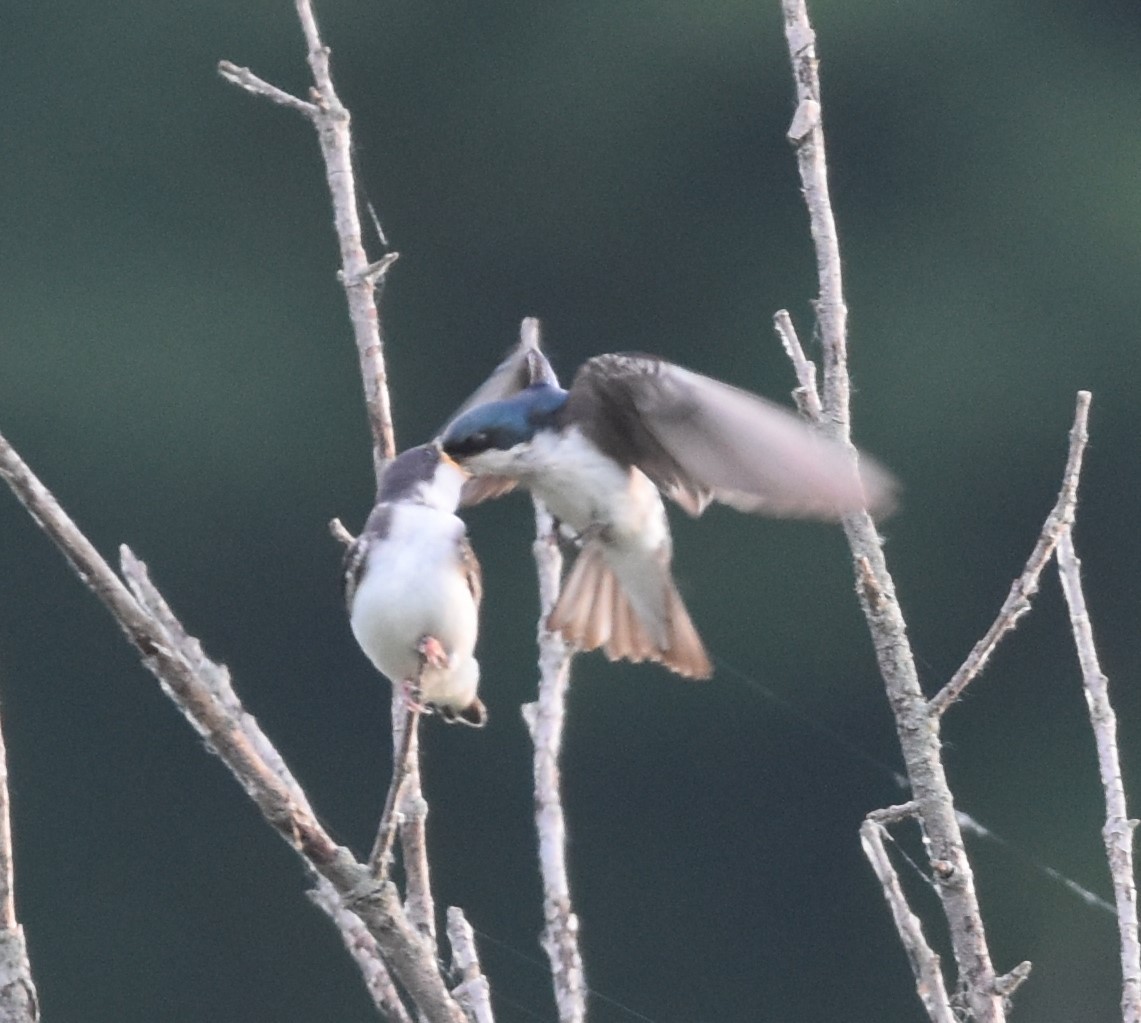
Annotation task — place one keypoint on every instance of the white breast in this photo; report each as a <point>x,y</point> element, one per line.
<point>585,489</point>
<point>412,587</point>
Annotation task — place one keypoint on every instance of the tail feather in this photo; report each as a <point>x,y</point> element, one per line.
<point>595,611</point>
<point>600,623</point>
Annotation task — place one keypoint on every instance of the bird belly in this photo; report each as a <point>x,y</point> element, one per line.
<point>591,493</point>
<point>411,590</point>
<point>619,508</point>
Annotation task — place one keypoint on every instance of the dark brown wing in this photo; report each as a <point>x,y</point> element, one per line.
<point>375,528</point>
<point>472,572</point>
<point>351,568</point>
<point>701,440</point>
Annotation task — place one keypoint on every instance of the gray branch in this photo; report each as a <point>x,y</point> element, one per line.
<point>363,280</point>
<point>806,395</point>
<point>917,727</point>
<point>201,690</point>
<point>473,992</point>
<point>1017,602</point>
<point>925,964</point>
<point>362,946</point>
<point>18,1001</point>
<point>544,720</point>
<point>1118,830</point>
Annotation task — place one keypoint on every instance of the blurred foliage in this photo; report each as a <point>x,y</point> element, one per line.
<point>175,362</point>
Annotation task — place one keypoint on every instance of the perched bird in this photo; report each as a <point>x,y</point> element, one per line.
<point>600,455</point>
<point>412,586</point>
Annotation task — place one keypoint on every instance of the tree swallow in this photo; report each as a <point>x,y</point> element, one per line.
<point>412,586</point>
<point>600,455</point>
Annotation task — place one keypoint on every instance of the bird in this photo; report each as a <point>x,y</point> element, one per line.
<point>631,428</point>
<point>413,586</point>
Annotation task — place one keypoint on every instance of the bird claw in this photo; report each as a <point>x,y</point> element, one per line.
<point>412,699</point>
<point>432,652</point>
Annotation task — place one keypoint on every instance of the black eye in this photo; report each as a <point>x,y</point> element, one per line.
<point>470,444</point>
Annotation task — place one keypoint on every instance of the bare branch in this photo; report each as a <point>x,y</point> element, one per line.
<point>412,813</point>
<point>18,1001</point>
<point>362,946</point>
<point>360,276</point>
<point>807,397</point>
<point>404,732</point>
<point>339,533</point>
<point>363,280</point>
<point>806,133</point>
<point>244,78</point>
<point>473,992</point>
<point>917,727</point>
<point>194,683</point>
<point>544,720</point>
<point>1118,830</point>
<point>924,962</point>
<point>1017,601</point>
<point>7,870</point>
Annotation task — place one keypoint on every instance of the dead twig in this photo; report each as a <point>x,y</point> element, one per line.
<point>1023,588</point>
<point>544,719</point>
<point>201,690</point>
<point>1117,832</point>
<point>916,726</point>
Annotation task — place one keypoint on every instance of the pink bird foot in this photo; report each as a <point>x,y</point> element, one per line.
<point>433,653</point>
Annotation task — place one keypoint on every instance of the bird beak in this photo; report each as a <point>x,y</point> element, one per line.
<point>447,459</point>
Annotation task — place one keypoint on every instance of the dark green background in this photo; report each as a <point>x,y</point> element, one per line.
<point>175,361</point>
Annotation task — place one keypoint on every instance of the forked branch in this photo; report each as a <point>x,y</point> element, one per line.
<point>202,691</point>
<point>916,726</point>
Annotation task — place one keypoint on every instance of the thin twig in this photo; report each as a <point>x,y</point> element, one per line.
<point>18,1001</point>
<point>807,397</point>
<point>8,920</point>
<point>363,280</point>
<point>419,903</point>
<point>359,275</point>
<point>473,992</point>
<point>924,962</point>
<point>340,533</point>
<point>380,859</point>
<point>544,719</point>
<point>1118,830</point>
<point>1017,601</point>
<point>244,78</point>
<point>192,681</point>
<point>917,727</point>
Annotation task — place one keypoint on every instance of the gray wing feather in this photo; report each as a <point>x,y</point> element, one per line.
<point>701,440</point>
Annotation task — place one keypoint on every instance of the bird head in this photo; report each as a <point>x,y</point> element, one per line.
<point>503,425</point>
<point>423,475</point>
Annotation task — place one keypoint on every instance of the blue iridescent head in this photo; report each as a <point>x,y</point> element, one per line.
<point>500,425</point>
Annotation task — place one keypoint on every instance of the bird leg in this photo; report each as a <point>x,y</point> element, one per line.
<point>410,688</point>
<point>432,652</point>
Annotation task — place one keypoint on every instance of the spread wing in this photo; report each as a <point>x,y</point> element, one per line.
<point>524,365</point>
<point>701,440</point>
